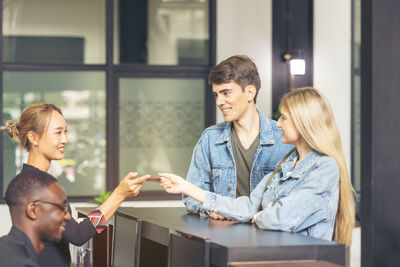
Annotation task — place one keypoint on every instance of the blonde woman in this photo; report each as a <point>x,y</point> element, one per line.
<point>309,192</point>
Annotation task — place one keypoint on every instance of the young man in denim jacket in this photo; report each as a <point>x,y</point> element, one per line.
<point>232,157</point>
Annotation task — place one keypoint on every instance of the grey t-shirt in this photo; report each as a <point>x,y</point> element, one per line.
<point>244,162</point>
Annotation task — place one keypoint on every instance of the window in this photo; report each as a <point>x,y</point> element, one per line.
<point>54,31</point>
<point>109,71</point>
<point>162,32</point>
<point>160,122</point>
<point>81,96</point>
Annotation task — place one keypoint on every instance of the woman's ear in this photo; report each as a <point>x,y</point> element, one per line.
<point>33,138</point>
<point>31,211</point>
<point>251,92</point>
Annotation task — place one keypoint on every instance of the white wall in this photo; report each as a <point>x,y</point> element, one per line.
<point>332,61</point>
<point>5,221</point>
<point>245,27</point>
<point>332,75</point>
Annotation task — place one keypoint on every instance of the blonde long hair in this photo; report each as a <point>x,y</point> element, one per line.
<point>313,118</point>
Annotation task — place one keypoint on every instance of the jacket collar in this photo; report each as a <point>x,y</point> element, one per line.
<point>305,164</point>
<point>266,131</point>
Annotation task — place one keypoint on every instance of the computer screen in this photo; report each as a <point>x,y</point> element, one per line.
<point>126,240</point>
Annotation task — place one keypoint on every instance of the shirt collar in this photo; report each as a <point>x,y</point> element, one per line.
<point>304,165</point>
<point>22,237</point>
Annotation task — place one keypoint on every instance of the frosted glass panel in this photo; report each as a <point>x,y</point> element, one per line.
<point>81,96</point>
<point>160,123</point>
<point>54,31</point>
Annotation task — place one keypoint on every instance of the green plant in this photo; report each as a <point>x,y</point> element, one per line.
<point>101,197</point>
<point>277,113</point>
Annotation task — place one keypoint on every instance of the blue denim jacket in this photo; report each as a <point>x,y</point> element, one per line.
<point>213,167</point>
<point>304,200</point>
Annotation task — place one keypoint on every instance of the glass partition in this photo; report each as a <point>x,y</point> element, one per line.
<point>162,32</point>
<point>54,31</point>
<point>55,51</point>
<point>160,121</point>
<point>81,96</point>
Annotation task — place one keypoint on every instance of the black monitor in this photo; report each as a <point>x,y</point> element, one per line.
<point>126,241</point>
<point>188,250</point>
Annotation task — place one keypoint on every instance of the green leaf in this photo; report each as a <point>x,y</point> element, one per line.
<point>277,113</point>
<point>102,197</point>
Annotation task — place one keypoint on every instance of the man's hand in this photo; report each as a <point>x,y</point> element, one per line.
<point>172,183</point>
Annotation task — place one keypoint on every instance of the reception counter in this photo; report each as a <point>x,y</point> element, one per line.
<point>172,234</point>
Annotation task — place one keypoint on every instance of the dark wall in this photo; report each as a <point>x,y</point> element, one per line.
<point>380,184</point>
<point>292,29</point>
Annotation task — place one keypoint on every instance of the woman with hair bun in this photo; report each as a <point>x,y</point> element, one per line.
<point>309,192</point>
<point>42,131</point>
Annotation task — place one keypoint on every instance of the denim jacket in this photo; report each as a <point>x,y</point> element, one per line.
<point>304,200</point>
<point>213,167</point>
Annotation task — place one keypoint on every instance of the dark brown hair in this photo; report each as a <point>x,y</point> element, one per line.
<point>239,69</point>
<point>34,118</point>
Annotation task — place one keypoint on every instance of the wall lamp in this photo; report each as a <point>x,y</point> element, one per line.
<point>297,65</point>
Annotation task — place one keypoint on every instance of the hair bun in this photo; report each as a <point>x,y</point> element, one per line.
<point>11,128</point>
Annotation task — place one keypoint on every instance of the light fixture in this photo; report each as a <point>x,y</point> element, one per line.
<point>297,67</point>
<point>296,63</point>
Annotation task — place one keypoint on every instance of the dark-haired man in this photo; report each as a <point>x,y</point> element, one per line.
<point>232,157</point>
<point>39,211</point>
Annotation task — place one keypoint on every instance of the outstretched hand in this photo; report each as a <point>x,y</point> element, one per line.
<point>175,184</point>
<point>130,186</point>
<point>172,183</point>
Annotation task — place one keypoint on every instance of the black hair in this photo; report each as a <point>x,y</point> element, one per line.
<point>25,184</point>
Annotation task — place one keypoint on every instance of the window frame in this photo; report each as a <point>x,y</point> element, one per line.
<point>112,73</point>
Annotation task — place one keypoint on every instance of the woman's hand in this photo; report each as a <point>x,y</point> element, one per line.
<point>172,183</point>
<point>175,184</point>
<point>216,216</point>
<point>130,186</point>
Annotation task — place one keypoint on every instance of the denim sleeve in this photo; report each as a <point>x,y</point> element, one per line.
<point>238,209</point>
<point>306,205</point>
<point>199,174</point>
